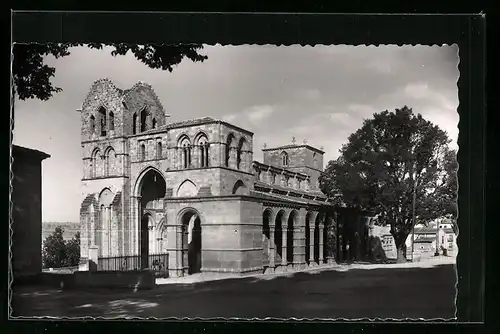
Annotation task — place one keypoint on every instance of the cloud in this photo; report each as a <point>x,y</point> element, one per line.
<point>257,114</point>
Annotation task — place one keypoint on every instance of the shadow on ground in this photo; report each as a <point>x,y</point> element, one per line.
<point>357,293</point>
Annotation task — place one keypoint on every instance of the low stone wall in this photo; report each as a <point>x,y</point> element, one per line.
<point>57,280</point>
<point>143,279</point>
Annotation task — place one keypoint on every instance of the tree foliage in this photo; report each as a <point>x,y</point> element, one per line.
<point>392,155</point>
<point>58,253</point>
<point>32,77</point>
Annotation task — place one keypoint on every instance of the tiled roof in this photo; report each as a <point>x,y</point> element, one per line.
<point>425,230</point>
<point>191,122</point>
<point>424,240</point>
<point>28,151</point>
<point>429,230</point>
<point>293,146</point>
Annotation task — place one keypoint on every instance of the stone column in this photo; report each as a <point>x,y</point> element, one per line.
<point>179,251</point>
<point>137,227</point>
<point>321,245</point>
<point>311,243</point>
<point>272,251</point>
<point>300,240</point>
<point>269,177</point>
<point>232,157</point>
<point>284,231</point>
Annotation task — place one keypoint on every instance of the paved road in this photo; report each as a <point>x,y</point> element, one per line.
<point>353,294</point>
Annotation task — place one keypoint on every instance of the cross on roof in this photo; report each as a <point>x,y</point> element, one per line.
<point>305,141</point>
<point>293,140</point>
<point>265,145</point>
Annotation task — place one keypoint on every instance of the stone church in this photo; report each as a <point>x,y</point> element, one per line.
<point>191,189</point>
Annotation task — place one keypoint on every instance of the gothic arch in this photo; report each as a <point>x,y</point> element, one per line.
<point>200,135</point>
<point>106,197</point>
<point>183,138</point>
<point>187,189</point>
<point>184,143</point>
<point>239,188</point>
<point>202,146</point>
<point>139,180</point>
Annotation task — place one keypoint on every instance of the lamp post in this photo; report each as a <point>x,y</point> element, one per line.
<point>413,218</point>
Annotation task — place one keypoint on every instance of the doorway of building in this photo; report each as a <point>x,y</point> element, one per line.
<point>152,190</point>
<point>191,242</point>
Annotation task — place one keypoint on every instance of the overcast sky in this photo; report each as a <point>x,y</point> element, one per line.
<point>321,94</point>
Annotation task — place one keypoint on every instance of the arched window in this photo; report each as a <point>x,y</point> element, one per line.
<point>92,124</point>
<point>134,124</point>
<point>142,152</point>
<point>229,144</point>
<point>111,121</point>
<point>187,155</point>
<point>159,153</point>
<point>185,146</point>
<point>315,160</point>
<point>203,151</point>
<point>284,159</point>
<point>240,154</point>
<point>154,123</point>
<point>102,118</point>
<point>94,163</point>
<point>144,117</point>
<point>110,161</point>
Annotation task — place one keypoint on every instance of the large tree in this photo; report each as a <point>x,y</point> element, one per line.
<point>394,158</point>
<point>31,76</point>
<point>59,253</point>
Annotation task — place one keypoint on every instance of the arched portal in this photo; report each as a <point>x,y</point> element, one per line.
<point>151,192</point>
<point>308,236</point>
<point>266,236</point>
<point>191,242</point>
<point>278,233</point>
<point>289,236</point>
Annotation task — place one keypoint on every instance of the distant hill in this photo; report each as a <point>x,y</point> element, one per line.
<point>70,229</point>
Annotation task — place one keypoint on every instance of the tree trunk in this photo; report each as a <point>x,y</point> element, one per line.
<point>400,248</point>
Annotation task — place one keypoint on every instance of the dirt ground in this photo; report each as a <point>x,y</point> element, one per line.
<point>354,292</point>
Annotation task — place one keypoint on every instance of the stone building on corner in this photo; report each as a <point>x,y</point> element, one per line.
<point>26,212</point>
<point>191,189</point>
